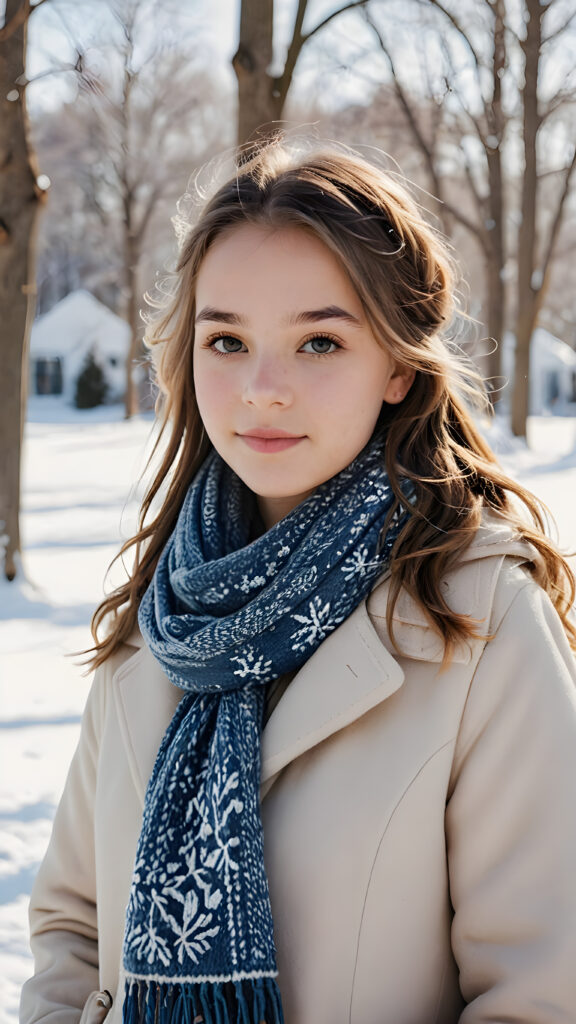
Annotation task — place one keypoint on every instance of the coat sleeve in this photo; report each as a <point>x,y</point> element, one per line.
<point>511,824</point>
<point>63,922</point>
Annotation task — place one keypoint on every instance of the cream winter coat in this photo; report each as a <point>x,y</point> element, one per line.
<point>419,824</point>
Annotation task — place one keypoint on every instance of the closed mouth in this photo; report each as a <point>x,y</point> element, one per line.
<point>271,435</point>
<point>270,441</point>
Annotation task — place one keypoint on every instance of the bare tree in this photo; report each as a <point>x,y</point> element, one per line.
<point>261,94</point>
<point>80,242</point>
<point>145,99</point>
<point>76,249</point>
<point>21,196</point>
<point>535,254</point>
<point>444,113</point>
<point>472,121</point>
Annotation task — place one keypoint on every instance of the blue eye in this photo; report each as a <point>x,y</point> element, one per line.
<point>226,344</point>
<point>322,345</point>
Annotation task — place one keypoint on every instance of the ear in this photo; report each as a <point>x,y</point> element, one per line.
<point>399,385</point>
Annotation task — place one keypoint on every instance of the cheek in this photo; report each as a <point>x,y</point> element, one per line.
<point>361,390</point>
<point>359,405</point>
<point>212,389</point>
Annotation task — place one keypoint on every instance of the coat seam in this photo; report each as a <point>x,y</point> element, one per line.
<point>391,816</point>
<point>457,752</point>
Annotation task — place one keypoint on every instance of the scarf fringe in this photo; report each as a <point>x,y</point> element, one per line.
<point>249,1001</point>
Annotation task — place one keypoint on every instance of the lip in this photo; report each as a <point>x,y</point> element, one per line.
<point>269,433</point>
<point>265,439</point>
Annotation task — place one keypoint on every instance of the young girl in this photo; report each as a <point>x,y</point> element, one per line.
<point>327,770</point>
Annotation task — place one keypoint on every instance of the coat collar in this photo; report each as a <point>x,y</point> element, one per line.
<point>352,671</point>
<point>346,676</point>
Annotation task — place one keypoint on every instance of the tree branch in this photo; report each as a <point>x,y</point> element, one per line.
<point>77,67</point>
<point>329,17</point>
<point>426,149</point>
<point>558,31</point>
<point>455,24</point>
<point>470,225</point>
<point>282,83</point>
<point>147,212</point>
<point>552,172</point>
<point>562,96</point>
<point>19,19</point>
<point>478,198</point>
<point>557,222</point>
<point>409,113</point>
<point>459,97</point>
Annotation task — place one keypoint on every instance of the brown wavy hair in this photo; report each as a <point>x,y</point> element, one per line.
<point>403,274</point>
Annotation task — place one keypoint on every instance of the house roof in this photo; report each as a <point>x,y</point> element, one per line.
<point>79,321</point>
<point>545,342</point>
<point>555,346</point>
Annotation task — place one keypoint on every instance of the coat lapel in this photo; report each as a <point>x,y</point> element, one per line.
<point>347,675</point>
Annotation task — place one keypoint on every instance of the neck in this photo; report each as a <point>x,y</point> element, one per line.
<point>272,510</point>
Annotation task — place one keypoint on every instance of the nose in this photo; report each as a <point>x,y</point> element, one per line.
<point>267,383</point>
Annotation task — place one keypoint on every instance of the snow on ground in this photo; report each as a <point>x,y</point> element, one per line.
<point>79,501</point>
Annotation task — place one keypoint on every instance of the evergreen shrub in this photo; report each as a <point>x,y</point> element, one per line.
<point>91,385</point>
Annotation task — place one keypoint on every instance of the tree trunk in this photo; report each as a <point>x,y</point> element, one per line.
<point>494,276</point>
<point>132,399</point>
<point>259,101</point>
<point>526,305</point>
<point>19,204</point>
<point>495,228</point>
<point>495,302</point>
<point>131,252</point>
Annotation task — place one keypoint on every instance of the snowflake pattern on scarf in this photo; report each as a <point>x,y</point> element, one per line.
<point>224,615</point>
<point>189,900</point>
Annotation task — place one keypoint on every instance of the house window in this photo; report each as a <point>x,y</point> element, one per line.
<point>49,379</point>
<point>552,387</point>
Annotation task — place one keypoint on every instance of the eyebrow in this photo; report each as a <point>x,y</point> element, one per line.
<point>208,314</point>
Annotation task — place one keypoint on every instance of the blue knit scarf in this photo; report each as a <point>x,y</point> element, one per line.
<point>224,615</point>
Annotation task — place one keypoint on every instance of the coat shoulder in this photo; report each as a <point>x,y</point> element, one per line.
<point>483,585</point>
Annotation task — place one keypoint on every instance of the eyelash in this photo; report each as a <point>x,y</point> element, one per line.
<point>211,344</point>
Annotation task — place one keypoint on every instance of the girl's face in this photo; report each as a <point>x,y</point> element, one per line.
<point>289,378</point>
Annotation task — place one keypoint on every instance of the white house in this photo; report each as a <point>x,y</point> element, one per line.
<point>552,372</point>
<point>62,338</point>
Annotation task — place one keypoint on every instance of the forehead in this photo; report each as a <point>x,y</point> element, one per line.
<point>251,262</point>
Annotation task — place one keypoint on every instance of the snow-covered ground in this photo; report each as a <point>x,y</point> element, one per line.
<point>79,501</point>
